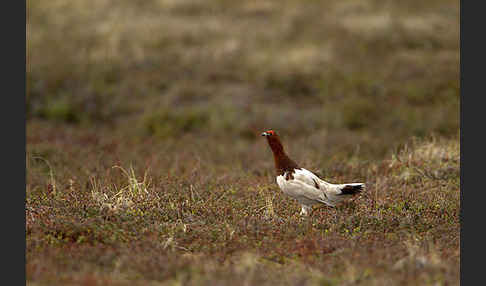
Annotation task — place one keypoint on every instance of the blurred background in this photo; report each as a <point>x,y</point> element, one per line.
<point>369,73</point>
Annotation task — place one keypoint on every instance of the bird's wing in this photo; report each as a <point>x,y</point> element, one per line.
<point>303,185</point>
<point>312,179</point>
<point>327,192</point>
<point>307,177</point>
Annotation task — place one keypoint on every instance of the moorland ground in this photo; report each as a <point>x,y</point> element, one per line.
<point>144,160</point>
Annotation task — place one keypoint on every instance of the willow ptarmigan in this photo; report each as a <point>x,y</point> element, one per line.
<point>303,185</point>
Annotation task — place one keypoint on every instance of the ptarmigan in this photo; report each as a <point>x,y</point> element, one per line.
<point>302,184</point>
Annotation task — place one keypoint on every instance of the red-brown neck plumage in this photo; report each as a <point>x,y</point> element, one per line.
<point>282,162</point>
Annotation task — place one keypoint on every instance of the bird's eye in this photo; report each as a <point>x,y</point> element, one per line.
<point>268,133</point>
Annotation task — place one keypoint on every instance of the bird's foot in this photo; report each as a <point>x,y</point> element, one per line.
<point>305,210</point>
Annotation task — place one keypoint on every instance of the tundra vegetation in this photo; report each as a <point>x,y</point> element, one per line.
<point>145,165</point>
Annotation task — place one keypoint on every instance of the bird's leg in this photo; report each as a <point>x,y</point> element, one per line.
<point>335,215</point>
<point>305,210</point>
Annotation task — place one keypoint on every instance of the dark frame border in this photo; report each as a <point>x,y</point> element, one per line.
<point>14,135</point>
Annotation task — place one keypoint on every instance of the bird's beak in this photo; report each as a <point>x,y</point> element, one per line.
<point>264,134</point>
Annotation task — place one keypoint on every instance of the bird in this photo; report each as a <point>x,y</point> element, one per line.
<point>303,185</point>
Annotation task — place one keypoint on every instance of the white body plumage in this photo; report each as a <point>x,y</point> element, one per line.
<point>308,189</point>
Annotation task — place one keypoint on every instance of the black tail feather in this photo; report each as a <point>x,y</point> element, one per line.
<point>351,189</point>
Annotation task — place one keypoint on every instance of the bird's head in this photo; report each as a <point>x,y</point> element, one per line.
<point>282,161</point>
<point>273,140</point>
<point>269,133</point>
